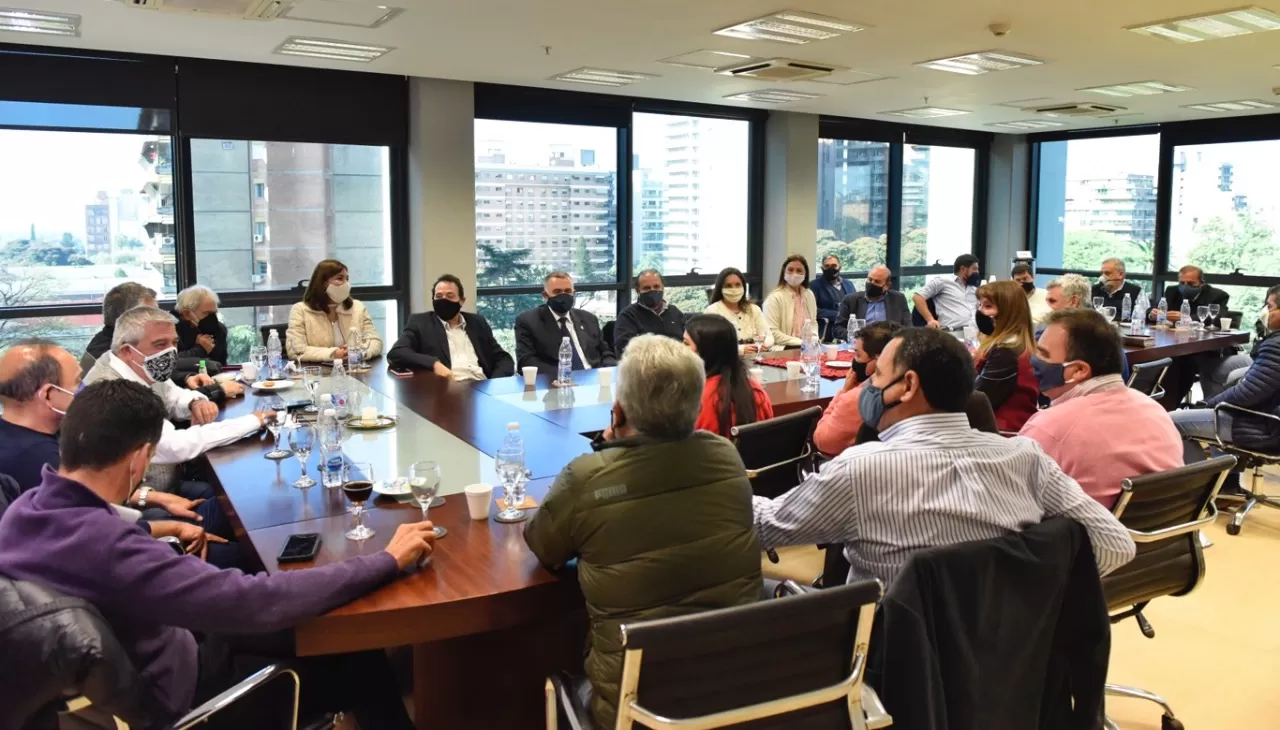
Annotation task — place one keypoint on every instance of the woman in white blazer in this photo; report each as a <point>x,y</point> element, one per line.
<point>729,300</point>
<point>791,304</point>
<point>320,324</point>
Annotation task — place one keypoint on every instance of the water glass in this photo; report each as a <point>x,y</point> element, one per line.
<point>424,482</point>
<point>1214,310</point>
<point>274,426</point>
<point>1098,302</point>
<point>258,356</point>
<point>510,466</point>
<point>311,380</point>
<point>358,488</point>
<point>302,440</point>
<point>1109,313</point>
<point>1202,313</point>
<point>759,339</point>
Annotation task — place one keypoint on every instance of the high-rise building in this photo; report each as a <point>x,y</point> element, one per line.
<point>97,226</point>
<point>648,214</point>
<point>853,185</point>
<point>1123,205</point>
<point>704,206</point>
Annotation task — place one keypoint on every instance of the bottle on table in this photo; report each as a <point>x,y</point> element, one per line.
<point>1126,308</point>
<point>274,352</point>
<point>564,374</point>
<point>355,353</point>
<point>1162,311</point>
<point>810,358</point>
<point>330,432</point>
<point>338,388</point>
<point>513,446</point>
<point>1184,318</point>
<point>204,368</point>
<point>1137,325</point>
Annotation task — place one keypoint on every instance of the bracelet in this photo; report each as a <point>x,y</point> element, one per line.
<point>143,493</point>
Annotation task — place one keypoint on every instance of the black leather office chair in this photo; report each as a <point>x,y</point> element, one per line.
<point>1253,459</point>
<point>607,333</point>
<point>918,320</point>
<point>59,649</point>
<point>776,450</point>
<point>795,663</point>
<point>265,332</point>
<point>1148,377</point>
<point>1164,513</point>
<point>87,362</point>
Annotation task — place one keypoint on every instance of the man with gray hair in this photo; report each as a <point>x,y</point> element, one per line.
<point>1112,287</point>
<point>116,302</point>
<point>650,314</point>
<point>1069,291</point>
<point>658,517</point>
<point>200,334</point>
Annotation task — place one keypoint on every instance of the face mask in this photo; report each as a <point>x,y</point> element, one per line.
<point>1050,375</point>
<point>860,369</point>
<point>160,365</point>
<point>446,309</point>
<point>650,300</point>
<point>871,405</point>
<point>1188,292</point>
<point>874,291</point>
<point>986,325</point>
<point>830,274</point>
<point>1028,286</point>
<point>560,303</point>
<point>794,279</point>
<point>732,294</point>
<point>974,280</point>
<point>64,390</point>
<point>339,293</point>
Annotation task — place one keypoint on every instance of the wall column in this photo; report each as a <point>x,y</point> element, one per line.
<point>790,192</point>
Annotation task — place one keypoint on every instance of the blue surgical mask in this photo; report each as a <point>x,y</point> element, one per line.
<point>871,405</point>
<point>1050,375</point>
<point>1188,291</point>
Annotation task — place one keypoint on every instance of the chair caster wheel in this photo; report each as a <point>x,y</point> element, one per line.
<point>1232,529</point>
<point>1170,723</point>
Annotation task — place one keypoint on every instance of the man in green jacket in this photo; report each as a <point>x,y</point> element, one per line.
<point>659,517</point>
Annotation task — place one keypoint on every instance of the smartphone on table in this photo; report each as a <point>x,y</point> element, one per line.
<point>300,548</point>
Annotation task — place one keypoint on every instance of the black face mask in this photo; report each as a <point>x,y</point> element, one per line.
<point>860,369</point>
<point>561,303</point>
<point>974,279</point>
<point>986,325</point>
<point>830,274</point>
<point>650,300</point>
<point>1028,286</point>
<point>874,291</point>
<point>446,309</point>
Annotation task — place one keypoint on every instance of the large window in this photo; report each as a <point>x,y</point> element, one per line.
<point>689,190</point>
<point>937,204</point>
<point>853,202</point>
<point>267,212</point>
<point>1097,199</point>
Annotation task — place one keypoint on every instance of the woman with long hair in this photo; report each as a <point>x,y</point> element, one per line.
<point>1003,358</point>
<point>320,324</point>
<point>729,300</point>
<point>791,304</point>
<point>730,397</point>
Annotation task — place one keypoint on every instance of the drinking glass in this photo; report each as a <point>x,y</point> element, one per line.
<point>258,356</point>
<point>510,466</point>
<point>424,482</point>
<point>358,487</point>
<point>1098,302</point>
<point>311,379</point>
<point>759,338</point>
<point>1214,310</point>
<point>274,426</point>
<point>302,439</point>
<point>1109,313</point>
<point>1202,313</point>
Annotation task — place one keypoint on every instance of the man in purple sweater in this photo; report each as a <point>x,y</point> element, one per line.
<point>66,535</point>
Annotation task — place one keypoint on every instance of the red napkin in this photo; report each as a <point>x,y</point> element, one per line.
<point>829,373</point>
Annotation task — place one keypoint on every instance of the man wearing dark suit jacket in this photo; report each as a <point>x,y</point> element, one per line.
<point>1113,287</point>
<point>539,331</point>
<point>1192,289</point>
<point>877,302</point>
<point>448,341</point>
<point>828,291</point>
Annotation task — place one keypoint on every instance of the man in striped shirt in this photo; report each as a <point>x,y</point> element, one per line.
<point>931,480</point>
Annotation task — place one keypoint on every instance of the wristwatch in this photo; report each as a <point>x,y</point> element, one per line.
<point>143,493</point>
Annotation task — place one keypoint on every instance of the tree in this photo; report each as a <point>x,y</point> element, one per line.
<point>582,270</point>
<point>1087,250</point>
<point>506,267</point>
<point>1225,244</point>
<point>121,274</point>
<point>77,259</point>
<point>27,289</point>
<point>239,339</point>
<point>688,299</point>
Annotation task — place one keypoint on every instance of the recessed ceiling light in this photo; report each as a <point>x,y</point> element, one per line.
<point>1137,88</point>
<point>849,78</point>
<point>791,26</point>
<point>38,21</point>
<point>773,96</point>
<point>1211,26</point>
<point>1232,106</point>
<point>972,64</point>
<point>1028,124</point>
<point>925,112</point>
<point>601,77</point>
<point>331,49</point>
<point>710,60</point>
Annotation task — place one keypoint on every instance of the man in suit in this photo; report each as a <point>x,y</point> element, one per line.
<point>1213,368</point>
<point>829,290</point>
<point>650,314</point>
<point>539,331</point>
<point>1192,289</point>
<point>448,341</point>
<point>877,302</point>
<point>1113,287</point>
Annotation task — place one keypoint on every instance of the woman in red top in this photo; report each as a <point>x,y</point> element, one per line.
<point>730,398</point>
<point>1003,357</point>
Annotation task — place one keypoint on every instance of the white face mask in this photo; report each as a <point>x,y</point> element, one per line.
<point>732,294</point>
<point>59,411</point>
<point>339,293</point>
<point>793,279</point>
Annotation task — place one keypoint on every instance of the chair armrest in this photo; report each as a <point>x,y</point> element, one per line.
<point>561,704</point>
<point>873,709</point>
<point>242,688</point>
<point>791,588</point>
<point>1217,433</point>
<point>1165,533</point>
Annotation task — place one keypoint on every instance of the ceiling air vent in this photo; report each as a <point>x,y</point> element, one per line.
<point>1077,110</point>
<point>245,9</point>
<point>780,70</point>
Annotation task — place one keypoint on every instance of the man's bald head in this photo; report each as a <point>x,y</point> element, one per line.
<point>880,276</point>
<point>29,365</point>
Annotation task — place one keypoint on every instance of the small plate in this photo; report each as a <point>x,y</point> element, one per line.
<point>358,423</point>
<point>272,385</point>
<point>398,487</point>
<point>838,364</point>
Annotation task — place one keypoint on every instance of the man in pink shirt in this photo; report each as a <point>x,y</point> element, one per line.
<point>1098,430</point>
<point>838,427</point>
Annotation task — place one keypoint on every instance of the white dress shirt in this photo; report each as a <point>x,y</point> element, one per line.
<point>954,301</point>
<point>177,447</point>
<point>573,336</point>
<point>466,364</point>
<point>932,481</point>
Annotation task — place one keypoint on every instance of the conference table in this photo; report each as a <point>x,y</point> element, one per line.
<point>486,622</point>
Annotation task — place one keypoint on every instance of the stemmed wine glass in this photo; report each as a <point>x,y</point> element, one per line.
<point>311,380</point>
<point>1202,313</point>
<point>302,439</point>
<point>1098,302</point>
<point>424,482</point>
<point>759,340</point>
<point>358,487</point>
<point>258,356</point>
<point>510,465</point>
<point>1214,309</point>
<point>274,426</point>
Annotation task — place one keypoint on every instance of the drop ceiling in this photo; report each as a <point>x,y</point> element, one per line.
<point>1082,44</point>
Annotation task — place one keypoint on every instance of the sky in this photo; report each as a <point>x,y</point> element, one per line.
<point>527,143</point>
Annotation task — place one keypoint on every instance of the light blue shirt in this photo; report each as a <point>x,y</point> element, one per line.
<point>875,311</point>
<point>953,301</point>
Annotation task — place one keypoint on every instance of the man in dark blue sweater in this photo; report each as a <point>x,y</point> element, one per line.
<point>650,314</point>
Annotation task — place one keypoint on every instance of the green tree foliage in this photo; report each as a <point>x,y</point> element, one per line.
<point>688,299</point>
<point>1087,250</point>
<point>506,267</point>
<point>121,274</point>
<point>1227,243</point>
<point>239,339</point>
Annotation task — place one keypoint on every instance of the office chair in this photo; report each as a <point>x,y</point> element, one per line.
<point>87,362</point>
<point>607,333</point>
<point>1164,513</point>
<point>794,663</point>
<point>917,319</point>
<point>1249,458</point>
<point>1148,377</point>
<point>776,450</point>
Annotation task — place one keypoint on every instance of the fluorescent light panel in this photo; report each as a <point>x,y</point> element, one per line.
<point>601,77</point>
<point>973,64</point>
<point>333,50</point>
<point>925,112</point>
<point>1211,26</point>
<point>1245,105</point>
<point>773,96</point>
<point>791,26</point>
<point>710,60</point>
<point>1028,124</point>
<point>1137,88</point>
<point>39,21</point>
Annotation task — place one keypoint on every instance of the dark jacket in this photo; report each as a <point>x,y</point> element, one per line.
<point>424,342</point>
<point>1117,300</point>
<point>538,340</point>
<point>186,367</point>
<point>1258,390</point>
<point>187,335</point>
<point>1009,382</point>
<point>653,538</point>
<point>1208,295</point>
<point>828,296</point>
<point>855,305</point>
<point>1003,634</point>
<point>636,319</point>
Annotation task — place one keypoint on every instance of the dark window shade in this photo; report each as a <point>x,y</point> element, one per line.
<point>868,130</point>
<point>551,106</point>
<point>71,76</point>
<point>230,100</point>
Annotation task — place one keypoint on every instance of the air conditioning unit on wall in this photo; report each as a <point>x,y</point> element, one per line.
<point>257,238</point>
<point>780,70</point>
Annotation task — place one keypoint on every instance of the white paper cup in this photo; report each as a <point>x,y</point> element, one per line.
<point>794,368</point>
<point>606,377</point>
<point>757,374</point>
<point>832,350</point>
<point>530,375</point>
<point>250,372</point>
<point>478,498</point>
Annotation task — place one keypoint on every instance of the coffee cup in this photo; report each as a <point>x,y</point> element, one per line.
<point>794,368</point>
<point>250,372</point>
<point>606,377</point>
<point>530,376</point>
<point>478,498</point>
<point>832,350</point>
<point>757,374</point>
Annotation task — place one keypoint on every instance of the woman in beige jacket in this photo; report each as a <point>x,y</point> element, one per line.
<point>320,324</point>
<point>791,304</point>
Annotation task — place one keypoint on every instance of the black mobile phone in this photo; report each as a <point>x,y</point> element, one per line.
<point>400,373</point>
<point>300,548</point>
